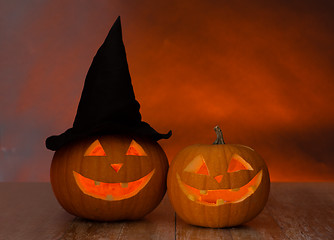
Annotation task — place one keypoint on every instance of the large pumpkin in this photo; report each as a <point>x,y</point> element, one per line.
<point>109,177</point>
<point>218,185</point>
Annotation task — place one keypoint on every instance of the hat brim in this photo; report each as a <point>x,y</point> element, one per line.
<point>142,129</point>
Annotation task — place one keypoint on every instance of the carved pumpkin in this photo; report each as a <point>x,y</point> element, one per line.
<point>218,185</point>
<point>109,177</point>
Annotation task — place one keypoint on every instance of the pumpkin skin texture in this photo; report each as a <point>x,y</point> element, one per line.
<point>110,177</point>
<point>220,185</point>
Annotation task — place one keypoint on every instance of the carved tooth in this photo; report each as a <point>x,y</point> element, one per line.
<point>220,202</point>
<point>203,192</point>
<point>97,182</point>
<point>251,189</point>
<point>235,189</point>
<point>191,197</point>
<point>124,185</point>
<point>109,197</point>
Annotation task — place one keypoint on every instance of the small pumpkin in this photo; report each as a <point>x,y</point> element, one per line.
<point>111,177</point>
<point>219,185</point>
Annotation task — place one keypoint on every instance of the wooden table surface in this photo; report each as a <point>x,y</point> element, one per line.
<point>293,211</point>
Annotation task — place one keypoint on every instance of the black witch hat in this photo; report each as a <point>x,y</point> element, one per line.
<point>107,104</point>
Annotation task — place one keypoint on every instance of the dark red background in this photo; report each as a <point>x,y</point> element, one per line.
<point>262,70</point>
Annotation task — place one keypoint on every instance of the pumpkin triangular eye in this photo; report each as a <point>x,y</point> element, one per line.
<point>135,149</point>
<point>95,149</point>
<point>198,166</point>
<point>237,163</point>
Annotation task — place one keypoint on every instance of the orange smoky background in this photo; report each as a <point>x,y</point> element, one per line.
<point>262,70</point>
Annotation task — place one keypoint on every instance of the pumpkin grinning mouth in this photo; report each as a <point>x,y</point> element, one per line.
<point>220,196</point>
<point>111,191</point>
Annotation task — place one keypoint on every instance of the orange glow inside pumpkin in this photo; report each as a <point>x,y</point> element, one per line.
<point>111,191</point>
<point>220,196</point>
<point>135,149</point>
<point>95,149</point>
<point>116,166</point>
<point>203,169</point>
<point>219,178</point>
<point>198,166</point>
<point>237,163</point>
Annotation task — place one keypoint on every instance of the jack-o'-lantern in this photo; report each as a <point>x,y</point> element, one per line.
<point>109,177</point>
<point>218,185</point>
<point>109,166</point>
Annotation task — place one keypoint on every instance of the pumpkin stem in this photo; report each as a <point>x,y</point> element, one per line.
<point>220,139</point>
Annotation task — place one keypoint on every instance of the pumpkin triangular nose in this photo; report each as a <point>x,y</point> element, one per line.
<point>116,166</point>
<point>219,178</point>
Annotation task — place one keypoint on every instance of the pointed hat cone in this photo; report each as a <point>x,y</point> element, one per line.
<point>107,104</point>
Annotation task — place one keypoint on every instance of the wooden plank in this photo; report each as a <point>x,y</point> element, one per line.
<point>294,211</point>
<point>30,211</point>
<point>159,224</point>
<point>91,230</point>
<point>263,226</point>
<point>304,210</point>
<point>185,231</point>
